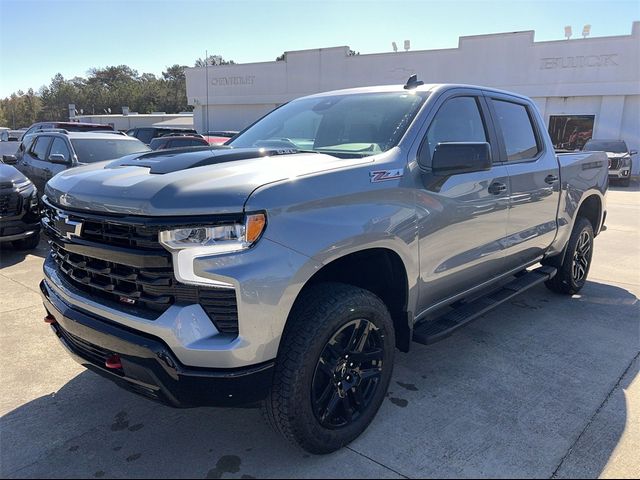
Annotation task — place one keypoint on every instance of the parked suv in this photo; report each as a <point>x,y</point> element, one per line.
<point>19,219</point>
<point>68,126</point>
<point>42,155</point>
<point>620,161</point>
<point>178,140</point>
<point>146,134</point>
<point>290,265</point>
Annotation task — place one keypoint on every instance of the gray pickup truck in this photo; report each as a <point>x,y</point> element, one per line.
<point>289,266</point>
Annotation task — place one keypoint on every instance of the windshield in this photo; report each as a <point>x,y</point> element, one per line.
<point>354,125</point>
<point>98,149</point>
<point>613,146</point>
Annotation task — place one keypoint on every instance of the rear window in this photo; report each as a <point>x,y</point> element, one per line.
<point>91,150</point>
<point>517,130</point>
<point>145,135</point>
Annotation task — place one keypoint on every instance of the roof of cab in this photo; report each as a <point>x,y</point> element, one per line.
<point>430,87</point>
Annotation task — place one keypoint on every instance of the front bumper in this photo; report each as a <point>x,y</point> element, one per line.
<point>622,173</point>
<point>148,366</point>
<point>17,230</point>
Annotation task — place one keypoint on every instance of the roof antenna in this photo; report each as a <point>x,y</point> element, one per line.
<point>413,82</point>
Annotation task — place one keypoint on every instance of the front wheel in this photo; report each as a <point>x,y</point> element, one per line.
<point>333,368</point>
<point>572,274</point>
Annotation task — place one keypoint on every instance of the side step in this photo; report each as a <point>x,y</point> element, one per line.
<point>439,328</point>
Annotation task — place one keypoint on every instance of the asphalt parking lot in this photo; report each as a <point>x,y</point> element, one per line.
<point>545,386</point>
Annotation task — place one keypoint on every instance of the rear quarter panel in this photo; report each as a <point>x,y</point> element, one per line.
<point>582,175</point>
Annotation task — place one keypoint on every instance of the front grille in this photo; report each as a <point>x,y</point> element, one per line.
<point>146,287</point>
<point>10,204</point>
<point>614,163</point>
<point>106,232</point>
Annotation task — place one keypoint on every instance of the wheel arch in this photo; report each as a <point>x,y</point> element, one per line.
<point>379,270</point>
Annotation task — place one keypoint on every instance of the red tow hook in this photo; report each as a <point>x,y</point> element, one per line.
<point>113,362</point>
<point>50,319</point>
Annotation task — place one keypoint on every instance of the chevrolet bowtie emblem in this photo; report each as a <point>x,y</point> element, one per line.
<point>66,227</point>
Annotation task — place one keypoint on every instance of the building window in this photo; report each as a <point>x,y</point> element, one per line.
<point>570,132</point>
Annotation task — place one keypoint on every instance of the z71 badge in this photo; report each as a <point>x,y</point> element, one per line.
<point>384,175</point>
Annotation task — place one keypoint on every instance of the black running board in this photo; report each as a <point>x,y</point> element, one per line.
<point>439,328</point>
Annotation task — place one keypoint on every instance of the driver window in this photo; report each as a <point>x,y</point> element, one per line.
<point>458,120</point>
<point>60,147</point>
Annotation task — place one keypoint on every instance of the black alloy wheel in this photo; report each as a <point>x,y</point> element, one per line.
<point>348,374</point>
<point>333,369</point>
<point>581,257</point>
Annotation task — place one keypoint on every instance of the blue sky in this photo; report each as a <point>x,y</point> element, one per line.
<point>41,38</point>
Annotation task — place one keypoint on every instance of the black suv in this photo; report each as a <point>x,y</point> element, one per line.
<point>42,155</point>
<point>178,140</point>
<point>146,134</point>
<point>19,219</point>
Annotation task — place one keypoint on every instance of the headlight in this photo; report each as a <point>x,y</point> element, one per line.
<point>189,243</point>
<point>217,239</point>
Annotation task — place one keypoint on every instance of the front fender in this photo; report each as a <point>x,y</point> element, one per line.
<point>326,217</point>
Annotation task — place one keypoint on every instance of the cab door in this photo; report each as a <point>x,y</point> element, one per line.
<point>534,179</point>
<point>37,165</point>
<point>58,147</point>
<point>462,219</point>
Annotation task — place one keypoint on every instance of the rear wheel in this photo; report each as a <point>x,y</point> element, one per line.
<point>333,368</point>
<point>572,273</point>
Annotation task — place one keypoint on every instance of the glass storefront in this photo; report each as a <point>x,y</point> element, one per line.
<point>570,132</point>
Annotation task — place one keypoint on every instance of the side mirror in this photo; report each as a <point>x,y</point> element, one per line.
<point>58,158</point>
<point>9,159</point>
<point>633,152</point>
<point>461,157</point>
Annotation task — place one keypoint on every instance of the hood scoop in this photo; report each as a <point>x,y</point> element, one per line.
<point>172,161</point>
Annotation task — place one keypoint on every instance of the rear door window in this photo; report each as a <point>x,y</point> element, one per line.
<point>145,135</point>
<point>518,133</point>
<point>39,149</point>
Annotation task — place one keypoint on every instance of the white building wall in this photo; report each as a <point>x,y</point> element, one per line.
<point>593,76</point>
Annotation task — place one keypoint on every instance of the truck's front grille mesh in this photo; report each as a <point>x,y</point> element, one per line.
<point>150,290</point>
<point>10,204</point>
<point>106,232</point>
<point>615,163</point>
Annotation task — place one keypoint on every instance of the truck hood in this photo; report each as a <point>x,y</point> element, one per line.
<point>10,175</point>
<point>199,181</point>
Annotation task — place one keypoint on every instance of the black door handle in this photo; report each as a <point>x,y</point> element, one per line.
<point>497,188</point>
<point>551,179</point>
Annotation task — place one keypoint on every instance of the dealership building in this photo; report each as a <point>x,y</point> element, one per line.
<point>583,87</point>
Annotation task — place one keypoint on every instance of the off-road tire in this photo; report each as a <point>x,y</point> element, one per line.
<point>565,281</point>
<point>322,310</point>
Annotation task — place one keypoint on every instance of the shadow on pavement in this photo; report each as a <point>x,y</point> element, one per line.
<point>617,187</point>
<point>9,255</point>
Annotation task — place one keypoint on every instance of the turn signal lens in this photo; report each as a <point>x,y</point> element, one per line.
<point>255,226</point>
